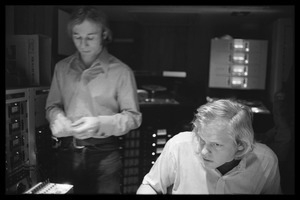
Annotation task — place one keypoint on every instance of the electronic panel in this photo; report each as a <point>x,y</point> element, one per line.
<point>140,148</point>
<point>25,114</point>
<point>153,142</point>
<point>38,132</point>
<point>17,169</point>
<point>238,64</point>
<point>130,151</point>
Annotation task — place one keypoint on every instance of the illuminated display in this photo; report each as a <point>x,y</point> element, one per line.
<point>243,58</point>
<point>238,56</point>
<point>161,141</point>
<point>240,45</point>
<point>238,81</point>
<point>159,150</point>
<point>161,132</point>
<point>239,70</point>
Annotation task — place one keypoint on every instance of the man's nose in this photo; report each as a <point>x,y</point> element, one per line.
<point>205,150</point>
<point>83,43</point>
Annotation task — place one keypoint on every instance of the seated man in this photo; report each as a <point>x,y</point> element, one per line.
<point>219,156</point>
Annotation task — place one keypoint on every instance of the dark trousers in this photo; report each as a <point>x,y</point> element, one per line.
<point>96,171</point>
<point>91,170</point>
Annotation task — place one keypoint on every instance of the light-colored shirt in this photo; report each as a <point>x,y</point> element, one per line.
<point>106,90</point>
<point>179,169</point>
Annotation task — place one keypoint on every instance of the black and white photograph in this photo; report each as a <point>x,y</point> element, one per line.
<point>149,99</point>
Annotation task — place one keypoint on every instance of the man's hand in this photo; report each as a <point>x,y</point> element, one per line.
<point>61,126</point>
<point>85,127</point>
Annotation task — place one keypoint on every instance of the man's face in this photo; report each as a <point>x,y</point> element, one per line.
<point>87,38</point>
<point>216,145</point>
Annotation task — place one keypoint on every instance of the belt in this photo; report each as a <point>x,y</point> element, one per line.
<point>90,142</point>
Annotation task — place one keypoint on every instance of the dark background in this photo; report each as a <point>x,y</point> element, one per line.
<point>151,39</point>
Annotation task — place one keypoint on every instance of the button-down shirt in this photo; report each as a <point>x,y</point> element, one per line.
<point>106,90</point>
<point>180,169</point>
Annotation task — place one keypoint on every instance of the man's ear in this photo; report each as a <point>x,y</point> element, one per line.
<point>104,35</point>
<point>241,148</point>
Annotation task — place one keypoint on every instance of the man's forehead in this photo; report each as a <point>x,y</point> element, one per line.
<point>218,123</point>
<point>88,25</point>
<point>217,129</point>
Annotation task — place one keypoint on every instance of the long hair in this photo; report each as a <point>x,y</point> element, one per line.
<point>238,116</point>
<point>93,14</point>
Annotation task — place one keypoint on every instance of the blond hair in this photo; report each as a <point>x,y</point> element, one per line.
<point>237,115</point>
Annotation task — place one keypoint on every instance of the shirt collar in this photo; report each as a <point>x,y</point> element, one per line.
<point>239,168</point>
<point>242,165</point>
<point>102,59</point>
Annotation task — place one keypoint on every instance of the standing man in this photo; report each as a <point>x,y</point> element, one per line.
<point>93,99</point>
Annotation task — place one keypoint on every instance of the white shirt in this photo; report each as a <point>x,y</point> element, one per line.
<point>180,168</point>
<point>106,90</point>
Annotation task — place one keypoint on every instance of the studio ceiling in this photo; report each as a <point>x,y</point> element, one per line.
<point>222,12</point>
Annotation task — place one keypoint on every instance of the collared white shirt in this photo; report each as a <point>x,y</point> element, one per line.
<point>179,168</point>
<point>106,90</point>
